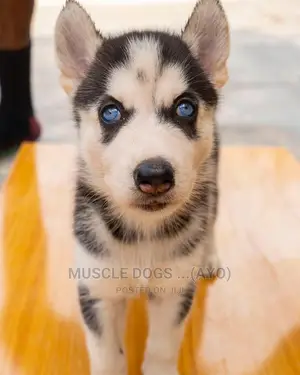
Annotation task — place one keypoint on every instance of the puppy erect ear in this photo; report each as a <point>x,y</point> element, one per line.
<point>207,35</point>
<point>76,43</point>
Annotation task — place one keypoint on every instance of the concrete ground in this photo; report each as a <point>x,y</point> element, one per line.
<point>261,102</point>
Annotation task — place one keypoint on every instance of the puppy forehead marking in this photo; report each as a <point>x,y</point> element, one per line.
<point>125,84</point>
<point>145,81</point>
<point>144,56</point>
<point>171,84</point>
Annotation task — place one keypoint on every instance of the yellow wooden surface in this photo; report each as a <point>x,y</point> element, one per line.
<point>247,323</point>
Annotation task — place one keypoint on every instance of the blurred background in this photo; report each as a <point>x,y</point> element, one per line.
<point>261,102</point>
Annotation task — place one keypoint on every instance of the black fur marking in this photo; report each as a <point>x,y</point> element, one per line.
<point>88,309</point>
<point>113,53</point>
<point>189,246</point>
<point>194,240</point>
<point>82,229</point>
<point>118,229</point>
<point>103,207</point>
<point>187,298</point>
<point>175,51</point>
<point>76,117</point>
<point>174,225</point>
<point>216,146</point>
<point>187,125</point>
<point>85,235</point>
<point>87,201</point>
<point>180,221</point>
<point>109,131</point>
<point>214,201</point>
<point>141,76</point>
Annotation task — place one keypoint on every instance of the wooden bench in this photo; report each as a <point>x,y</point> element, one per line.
<point>247,322</point>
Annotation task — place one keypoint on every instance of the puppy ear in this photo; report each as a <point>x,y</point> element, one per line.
<point>76,43</point>
<point>207,35</point>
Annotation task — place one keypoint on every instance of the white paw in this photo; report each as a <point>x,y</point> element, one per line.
<point>118,368</point>
<point>211,265</point>
<point>160,367</point>
<point>109,372</point>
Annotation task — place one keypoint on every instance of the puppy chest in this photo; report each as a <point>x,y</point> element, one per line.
<point>132,273</point>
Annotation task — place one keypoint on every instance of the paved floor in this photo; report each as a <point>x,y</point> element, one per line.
<point>261,101</point>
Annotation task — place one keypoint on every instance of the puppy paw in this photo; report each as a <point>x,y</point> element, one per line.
<point>119,368</point>
<point>160,367</point>
<point>211,265</point>
<point>109,372</point>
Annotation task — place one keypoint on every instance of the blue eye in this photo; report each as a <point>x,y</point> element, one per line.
<point>185,109</point>
<point>110,114</point>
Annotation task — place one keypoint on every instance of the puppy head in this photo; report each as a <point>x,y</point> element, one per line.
<point>144,103</point>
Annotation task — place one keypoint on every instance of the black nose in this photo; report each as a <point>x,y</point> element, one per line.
<point>154,176</point>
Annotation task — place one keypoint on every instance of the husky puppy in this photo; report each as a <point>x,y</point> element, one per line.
<point>144,103</point>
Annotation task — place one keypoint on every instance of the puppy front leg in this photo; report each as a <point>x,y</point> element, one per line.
<point>211,261</point>
<point>167,316</point>
<point>101,321</point>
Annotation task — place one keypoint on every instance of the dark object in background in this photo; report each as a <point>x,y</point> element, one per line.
<point>17,121</point>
